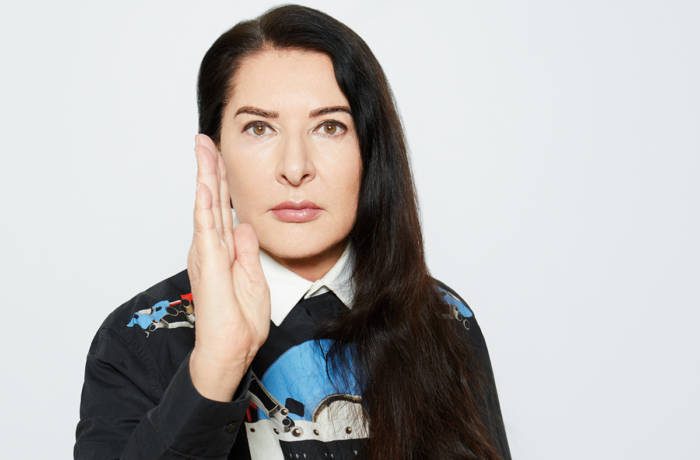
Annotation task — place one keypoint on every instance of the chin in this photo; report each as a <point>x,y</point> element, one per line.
<point>297,241</point>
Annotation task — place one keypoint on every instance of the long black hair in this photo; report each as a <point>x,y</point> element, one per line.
<point>422,392</point>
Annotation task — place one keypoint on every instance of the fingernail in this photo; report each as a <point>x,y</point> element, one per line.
<point>196,140</point>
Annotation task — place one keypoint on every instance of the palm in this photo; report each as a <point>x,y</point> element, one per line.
<point>230,292</point>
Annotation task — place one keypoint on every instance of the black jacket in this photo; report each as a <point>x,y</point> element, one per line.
<point>138,400</point>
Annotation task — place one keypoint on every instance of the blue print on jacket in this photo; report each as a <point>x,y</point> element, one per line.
<point>306,397</point>
<point>165,314</point>
<point>145,317</point>
<point>315,388</point>
<point>455,302</point>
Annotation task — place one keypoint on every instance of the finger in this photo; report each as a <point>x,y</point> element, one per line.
<point>227,218</point>
<point>207,173</point>
<point>205,235</point>
<point>208,261</point>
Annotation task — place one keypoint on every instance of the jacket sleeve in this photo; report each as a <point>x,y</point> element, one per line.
<point>122,416</point>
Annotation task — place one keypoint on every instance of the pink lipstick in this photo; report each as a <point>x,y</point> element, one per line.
<point>298,212</point>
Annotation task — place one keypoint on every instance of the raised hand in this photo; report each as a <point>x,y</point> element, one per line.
<point>230,293</point>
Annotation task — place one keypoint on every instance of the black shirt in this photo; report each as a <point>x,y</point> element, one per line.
<point>138,400</point>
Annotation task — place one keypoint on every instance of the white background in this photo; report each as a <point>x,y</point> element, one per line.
<point>556,154</point>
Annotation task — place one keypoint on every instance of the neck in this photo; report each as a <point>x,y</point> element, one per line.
<point>314,267</point>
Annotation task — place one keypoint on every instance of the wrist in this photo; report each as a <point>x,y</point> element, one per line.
<point>214,379</point>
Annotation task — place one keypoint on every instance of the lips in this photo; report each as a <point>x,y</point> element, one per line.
<point>297,205</point>
<point>297,212</point>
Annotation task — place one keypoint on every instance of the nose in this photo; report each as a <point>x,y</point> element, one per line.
<point>295,165</point>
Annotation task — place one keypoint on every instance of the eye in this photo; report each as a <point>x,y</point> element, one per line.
<point>257,128</point>
<point>332,128</point>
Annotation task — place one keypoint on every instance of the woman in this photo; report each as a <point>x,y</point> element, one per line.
<point>308,325</point>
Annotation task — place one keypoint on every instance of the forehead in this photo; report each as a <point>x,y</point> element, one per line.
<point>286,78</point>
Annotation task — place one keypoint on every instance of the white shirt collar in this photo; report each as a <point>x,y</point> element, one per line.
<point>287,288</point>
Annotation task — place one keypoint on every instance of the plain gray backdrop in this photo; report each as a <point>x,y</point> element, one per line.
<point>556,154</point>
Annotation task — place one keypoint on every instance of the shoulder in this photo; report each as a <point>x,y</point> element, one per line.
<point>149,305</point>
<point>150,333</point>
<point>462,313</point>
<point>157,322</point>
<point>459,306</point>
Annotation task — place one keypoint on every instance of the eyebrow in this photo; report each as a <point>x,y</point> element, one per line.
<point>270,114</point>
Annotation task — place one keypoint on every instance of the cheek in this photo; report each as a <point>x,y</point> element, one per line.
<point>242,180</point>
<point>354,171</point>
<point>347,180</point>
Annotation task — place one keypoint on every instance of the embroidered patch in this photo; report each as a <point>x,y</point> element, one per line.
<point>165,314</point>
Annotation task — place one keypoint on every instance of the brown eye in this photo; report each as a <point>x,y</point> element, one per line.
<point>333,128</point>
<point>257,128</point>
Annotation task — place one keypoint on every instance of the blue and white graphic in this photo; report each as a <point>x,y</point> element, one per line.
<point>456,303</point>
<point>306,398</point>
<point>165,314</point>
<point>144,318</point>
<point>320,406</point>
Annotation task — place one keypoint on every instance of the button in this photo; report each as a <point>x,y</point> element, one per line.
<point>231,427</point>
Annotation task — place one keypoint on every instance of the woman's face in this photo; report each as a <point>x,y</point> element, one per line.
<point>276,148</point>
